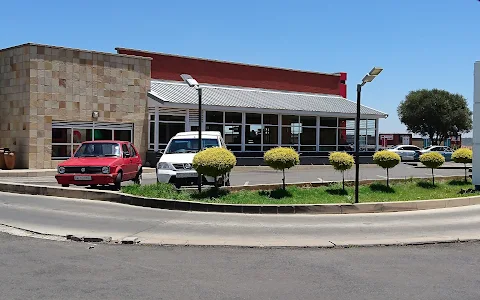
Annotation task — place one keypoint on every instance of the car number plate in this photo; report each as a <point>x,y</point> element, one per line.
<point>83,178</point>
<point>186,174</point>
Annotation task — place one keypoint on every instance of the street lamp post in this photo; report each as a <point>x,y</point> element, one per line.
<point>193,83</point>
<point>368,78</point>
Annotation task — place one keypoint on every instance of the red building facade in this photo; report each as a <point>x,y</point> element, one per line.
<point>168,67</point>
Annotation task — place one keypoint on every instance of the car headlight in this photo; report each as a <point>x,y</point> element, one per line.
<point>105,170</point>
<point>165,166</point>
<point>61,170</point>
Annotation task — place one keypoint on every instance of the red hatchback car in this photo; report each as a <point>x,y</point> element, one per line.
<point>101,163</point>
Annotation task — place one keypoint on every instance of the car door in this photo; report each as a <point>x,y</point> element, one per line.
<point>126,163</point>
<point>135,158</point>
<point>400,151</point>
<point>409,151</point>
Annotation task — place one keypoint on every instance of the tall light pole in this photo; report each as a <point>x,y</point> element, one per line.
<point>368,78</point>
<point>193,83</point>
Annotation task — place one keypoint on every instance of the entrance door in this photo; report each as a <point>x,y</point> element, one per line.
<point>405,140</point>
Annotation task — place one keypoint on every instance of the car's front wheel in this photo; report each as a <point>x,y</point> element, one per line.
<point>118,181</point>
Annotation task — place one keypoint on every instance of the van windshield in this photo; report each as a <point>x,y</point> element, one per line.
<point>189,145</point>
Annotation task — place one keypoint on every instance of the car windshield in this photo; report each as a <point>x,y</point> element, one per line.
<point>189,145</point>
<point>98,150</point>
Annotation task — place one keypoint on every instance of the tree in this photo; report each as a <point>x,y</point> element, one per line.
<point>214,162</point>
<point>463,156</point>
<point>341,161</point>
<point>435,114</point>
<point>432,160</point>
<point>386,160</point>
<point>280,158</point>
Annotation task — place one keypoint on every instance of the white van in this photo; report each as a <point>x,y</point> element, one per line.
<point>175,165</point>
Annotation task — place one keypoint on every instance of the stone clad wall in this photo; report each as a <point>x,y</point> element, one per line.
<point>69,84</point>
<point>14,102</point>
<point>40,84</point>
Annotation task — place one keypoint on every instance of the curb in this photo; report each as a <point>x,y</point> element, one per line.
<point>169,204</point>
<point>16,231</point>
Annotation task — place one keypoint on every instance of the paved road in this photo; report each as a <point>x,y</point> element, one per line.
<point>62,216</point>
<point>39,269</point>
<point>259,175</point>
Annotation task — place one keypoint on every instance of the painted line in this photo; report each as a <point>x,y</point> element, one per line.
<point>384,177</point>
<point>246,182</point>
<point>320,179</point>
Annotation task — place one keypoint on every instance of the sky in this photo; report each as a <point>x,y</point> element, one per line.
<point>419,43</point>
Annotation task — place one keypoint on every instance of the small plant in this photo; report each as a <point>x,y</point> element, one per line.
<point>463,156</point>
<point>214,162</point>
<point>386,160</point>
<point>280,158</point>
<point>341,161</point>
<point>432,160</point>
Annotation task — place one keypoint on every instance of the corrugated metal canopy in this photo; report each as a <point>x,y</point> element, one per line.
<point>213,95</point>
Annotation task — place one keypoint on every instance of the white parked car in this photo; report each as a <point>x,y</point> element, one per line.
<point>406,152</point>
<point>443,150</point>
<point>175,165</point>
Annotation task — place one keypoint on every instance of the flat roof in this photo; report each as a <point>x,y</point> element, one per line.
<point>227,62</point>
<point>75,49</point>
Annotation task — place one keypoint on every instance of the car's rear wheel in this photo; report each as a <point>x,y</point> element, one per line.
<point>138,178</point>
<point>118,181</point>
<point>65,185</point>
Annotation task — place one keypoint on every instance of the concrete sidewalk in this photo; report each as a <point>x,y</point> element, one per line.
<point>44,172</point>
<point>445,166</point>
<point>237,169</point>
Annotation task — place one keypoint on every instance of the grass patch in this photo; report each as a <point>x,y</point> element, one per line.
<point>376,192</point>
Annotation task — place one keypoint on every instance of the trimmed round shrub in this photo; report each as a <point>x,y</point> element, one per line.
<point>341,161</point>
<point>432,160</point>
<point>214,162</point>
<point>386,159</point>
<point>462,156</point>
<point>280,158</point>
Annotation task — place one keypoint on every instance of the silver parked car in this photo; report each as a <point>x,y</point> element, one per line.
<point>406,152</point>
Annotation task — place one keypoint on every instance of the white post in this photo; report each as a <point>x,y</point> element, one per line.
<point>242,132</point>
<point>280,127</point>
<point>476,126</point>
<point>376,134</point>
<point>187,120</point>
<point>317,137</point>
<point>156,126</point>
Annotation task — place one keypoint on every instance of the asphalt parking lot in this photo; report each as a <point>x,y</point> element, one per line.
<point>265,175</point>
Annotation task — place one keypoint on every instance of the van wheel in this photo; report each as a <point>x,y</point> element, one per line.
<point>118,181</point>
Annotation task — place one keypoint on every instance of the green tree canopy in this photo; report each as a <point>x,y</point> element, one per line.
<point>435,114</point>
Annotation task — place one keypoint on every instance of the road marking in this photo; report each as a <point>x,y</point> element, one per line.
<point>320,179</point>
<point>246,182</point>
<point>384,177</point>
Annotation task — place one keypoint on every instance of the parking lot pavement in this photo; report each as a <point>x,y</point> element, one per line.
<point>265,175</point>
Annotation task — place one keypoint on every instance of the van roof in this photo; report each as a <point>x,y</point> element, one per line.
<point>195,133</point>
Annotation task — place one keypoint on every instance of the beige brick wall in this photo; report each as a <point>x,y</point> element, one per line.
<point>14,102</point>
<point>62,84</point>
